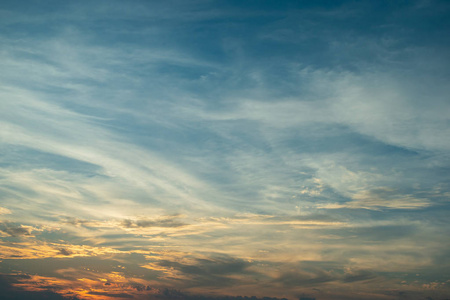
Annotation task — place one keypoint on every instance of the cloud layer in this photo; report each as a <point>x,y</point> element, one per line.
<point>198,149</point>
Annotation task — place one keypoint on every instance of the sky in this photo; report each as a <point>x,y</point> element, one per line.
<point>225,149</point>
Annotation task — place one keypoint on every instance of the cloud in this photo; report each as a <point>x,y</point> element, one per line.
<point>209,145</point>
<point>297,279</point>
<point>381,198</point>
<point>172,294</point>
<point>217,270</point>
<point>119,295</point>
<point>163,221</point>
<point>65,252</point>
<point>9,291</point>
<point>15,287</point>
<point>309,274</point>
<point>4,211</point>
<point>73,221</point>
<point>358,275</point>
<point>15,230</point>
<point>31,248</point>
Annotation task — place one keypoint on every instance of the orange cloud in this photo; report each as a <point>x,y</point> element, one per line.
<point>90,285</point>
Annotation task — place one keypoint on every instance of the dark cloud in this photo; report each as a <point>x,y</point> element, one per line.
<point>15,230</point>
<point>383,232</point>
<point>213,271</point>
<point>120,295</point>
<point>173,294</point>
<point>73,221</point>
<point>10,292</point>
<point>321,217</point>
<point>359,275</point>
<point>128,223</point>
<point>167,221</point>
<point>298,278</point>
<point>316,273</point>
<point>64,251</point>
<point>306,298</point>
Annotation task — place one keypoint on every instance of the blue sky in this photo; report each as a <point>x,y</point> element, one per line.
<point>295,149</point>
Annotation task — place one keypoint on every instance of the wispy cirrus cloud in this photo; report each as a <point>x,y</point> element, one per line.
<point>296,148</point>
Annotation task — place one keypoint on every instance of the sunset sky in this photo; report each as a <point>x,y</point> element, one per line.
<point>195,149</point>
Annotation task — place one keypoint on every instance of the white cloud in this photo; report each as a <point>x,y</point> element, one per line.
<point>4,211</point>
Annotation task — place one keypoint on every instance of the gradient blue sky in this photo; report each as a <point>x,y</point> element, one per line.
<point>296,149</point>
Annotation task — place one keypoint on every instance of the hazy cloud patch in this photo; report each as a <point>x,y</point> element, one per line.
<point>163,221</point>
<point>65,252</point>
<point>10,290</point>
<point>381,198</point>
<point>16,230</point>
<point>119,295</point>
<point>209,271</point>
<point>4,211</point>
